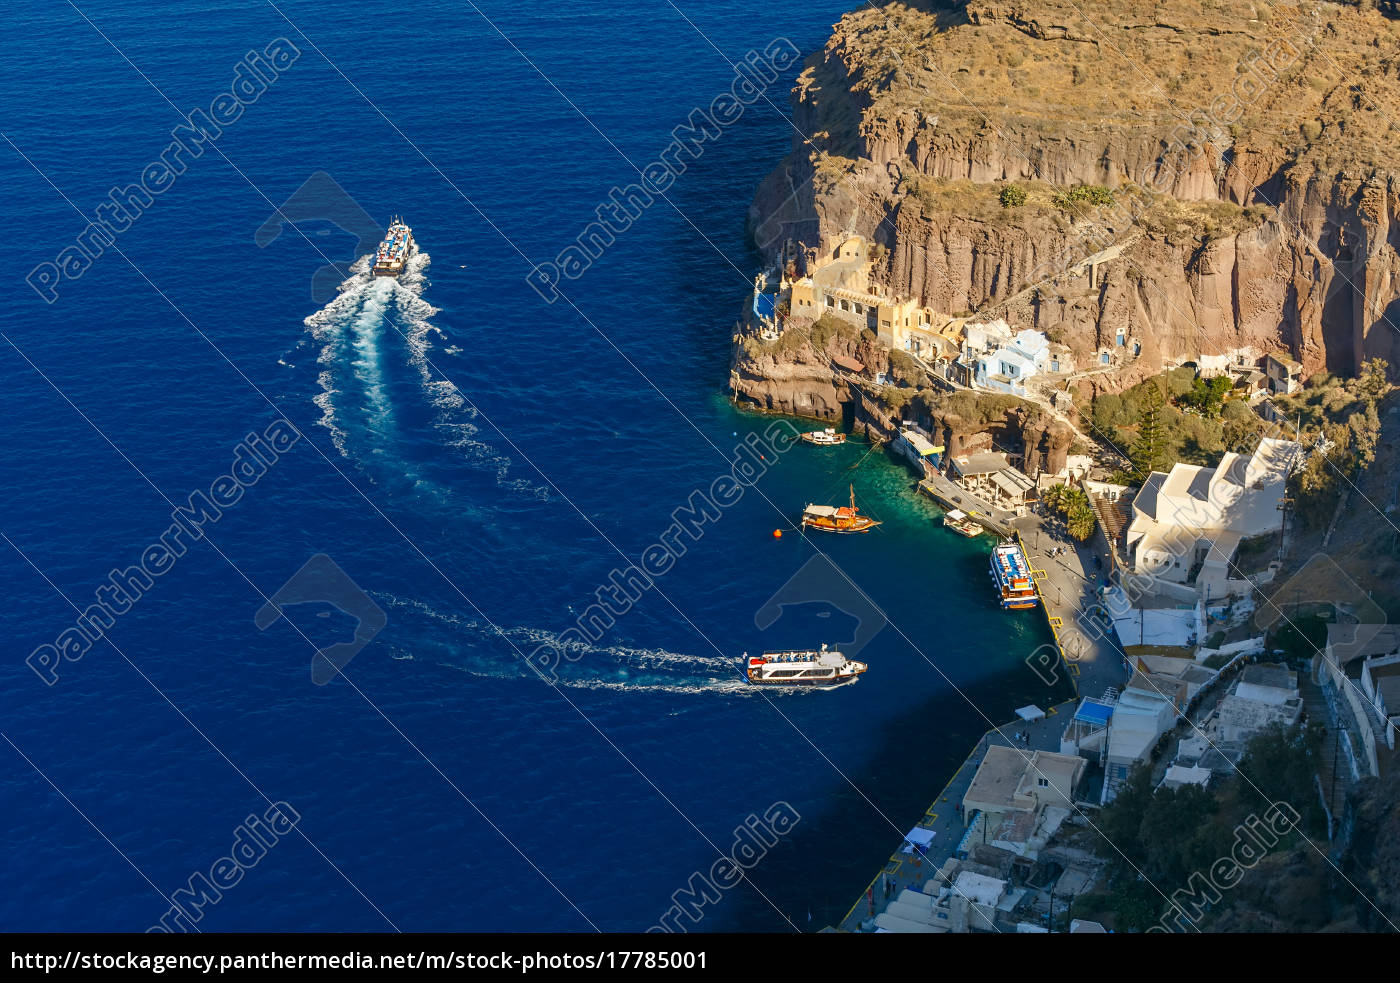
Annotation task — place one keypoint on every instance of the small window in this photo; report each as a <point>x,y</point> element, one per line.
<point>1043,782</point>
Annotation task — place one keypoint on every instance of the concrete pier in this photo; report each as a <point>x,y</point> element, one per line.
<point>952,496</point>
<point>1067,579</point>
<point>1068,583</point>
<point>910,870</point>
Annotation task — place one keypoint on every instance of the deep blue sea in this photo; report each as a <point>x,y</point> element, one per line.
<point>475,460</point>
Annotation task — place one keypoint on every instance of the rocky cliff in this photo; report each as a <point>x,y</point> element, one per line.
<point>797,376</point>
<point>1250,154</point>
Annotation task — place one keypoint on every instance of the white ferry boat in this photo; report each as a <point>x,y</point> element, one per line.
<point>824,667</point>
<point>393,254</point>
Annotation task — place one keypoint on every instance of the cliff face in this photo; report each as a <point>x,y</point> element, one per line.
<point>1252,151</point>
<point>795,376</point>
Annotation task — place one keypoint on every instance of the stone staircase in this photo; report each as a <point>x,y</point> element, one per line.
<point>1112,516</point>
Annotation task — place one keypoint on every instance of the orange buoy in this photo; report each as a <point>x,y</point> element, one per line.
<point>777,534</point>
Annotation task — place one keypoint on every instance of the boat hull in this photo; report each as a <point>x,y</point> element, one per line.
<point>395,269</point>
<point>1011,576</point>
<point>840,530</point>
<point>803,669</point>
<point>833,681</point>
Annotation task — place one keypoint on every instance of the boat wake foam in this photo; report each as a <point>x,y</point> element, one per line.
<point>456,416</point>
<point>597,666</point>
<point>351,330</point>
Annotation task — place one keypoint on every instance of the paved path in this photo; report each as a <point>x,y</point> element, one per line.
<point>905,870</point>
<point>1069,582</point>
<point>954,496</point>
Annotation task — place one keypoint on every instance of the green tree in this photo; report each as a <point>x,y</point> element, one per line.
<point>1207,396</point>
<point>1372,383</point>
<point>1080,520</point>
<point>1149,450</point>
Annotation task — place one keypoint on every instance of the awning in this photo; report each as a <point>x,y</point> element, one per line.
<point>917,837</point>
<point>1032,712</point>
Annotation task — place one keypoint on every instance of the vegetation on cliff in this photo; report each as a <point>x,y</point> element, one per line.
<point>1156,839</point>
<point>1173,417</point>
<point>1230,166</point>
<point>1342,416</point>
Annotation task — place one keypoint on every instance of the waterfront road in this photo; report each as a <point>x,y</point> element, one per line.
<point>910,870</point>
<point>1069,575</point>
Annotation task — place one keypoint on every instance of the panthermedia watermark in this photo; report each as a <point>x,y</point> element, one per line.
<point>252,839</point>
<point>755,72</point>
<point>322,581</point>
<point>624,586</point>
<point>321,199</point>
<point>253,74</point>
<point>253,456</point>
<point>753,839</point>
<point>1254,838</point>
<point>821,582</point>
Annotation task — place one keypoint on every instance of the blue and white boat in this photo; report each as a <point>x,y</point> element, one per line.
<point>391,259</point>
<point>1011,572</point>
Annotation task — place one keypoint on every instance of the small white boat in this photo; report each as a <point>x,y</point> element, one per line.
<point>959,521</point>
<point>824,438</point>
<point>824,667</point>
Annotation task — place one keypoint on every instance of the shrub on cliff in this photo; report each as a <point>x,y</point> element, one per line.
<point>1207,396</point>
<point>1085,195</point>
<point>1012,196</point>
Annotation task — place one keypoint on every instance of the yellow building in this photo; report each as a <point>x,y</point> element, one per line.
<point>838,283</point>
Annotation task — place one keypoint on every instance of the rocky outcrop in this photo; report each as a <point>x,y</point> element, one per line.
<point>1253,152</point>
<point>796,376</point>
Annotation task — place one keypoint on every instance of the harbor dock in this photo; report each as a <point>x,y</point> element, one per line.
<point>951,496</point>
<point>1067,577</point>
<point>1068,585</point>
<point>914,869</point>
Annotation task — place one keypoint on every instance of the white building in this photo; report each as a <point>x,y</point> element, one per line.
<point>1187,524</point>
<point>1380,679</point>
<point>1264,696</point>
<point>1001,361</point>
<point>1139,720</point>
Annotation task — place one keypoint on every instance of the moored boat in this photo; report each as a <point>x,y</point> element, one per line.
<point>843,519</point>
<point>824,667</point>
<point>1011,572</point>
<point>825,438</point>
<point>391,259</point>
<point>959,521</point>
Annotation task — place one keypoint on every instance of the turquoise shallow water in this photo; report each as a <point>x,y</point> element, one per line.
<point>448,788</point>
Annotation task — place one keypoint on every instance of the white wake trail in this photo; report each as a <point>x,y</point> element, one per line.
<point>584,666</point>
<point>455,419</point>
